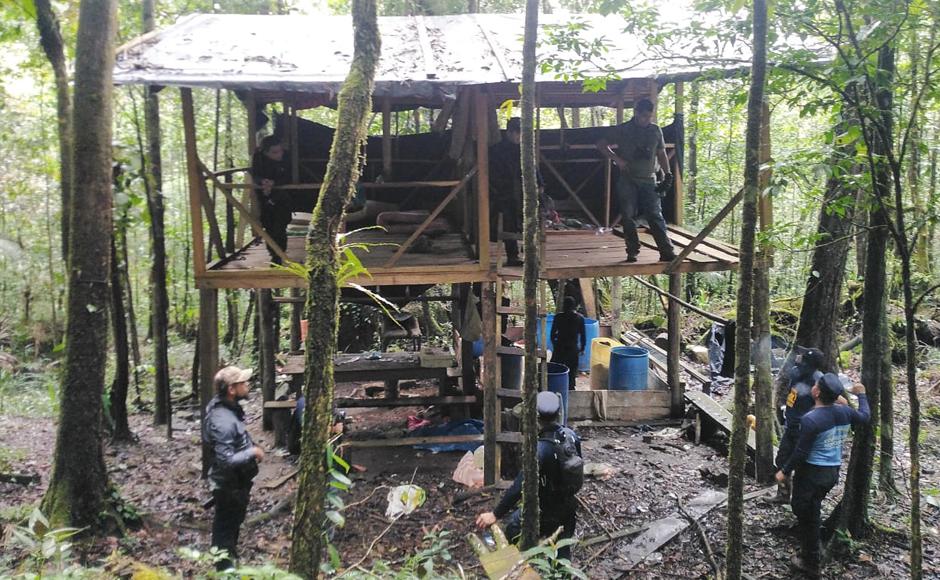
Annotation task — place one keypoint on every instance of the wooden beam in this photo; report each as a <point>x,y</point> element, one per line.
<point>570,191</point>
<point>674,350</point>
<point>440,122</point>
<point>255,224</point>
<point>709,227</point>
<point>386,139</point>
<point>681,302</point>
<point>427,222</point>
<point>352,402</point>
<point>587,292</point>
<point>192,171</point>
<point>491,417</point>
<point>483,179</point>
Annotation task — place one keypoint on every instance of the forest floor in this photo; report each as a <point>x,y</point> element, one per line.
<point>160,478</point>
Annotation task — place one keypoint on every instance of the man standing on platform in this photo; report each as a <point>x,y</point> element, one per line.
<point>234,460</point>
<point>640,145</point>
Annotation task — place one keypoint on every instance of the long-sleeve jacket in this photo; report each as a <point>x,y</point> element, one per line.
<point>232,458</point>
<point>549,500</point>
<point>568,333</point>
<point>823,432</point>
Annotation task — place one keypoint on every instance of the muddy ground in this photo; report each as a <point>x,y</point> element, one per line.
<point>651,476</point>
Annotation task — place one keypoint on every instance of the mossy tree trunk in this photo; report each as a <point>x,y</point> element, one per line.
<point>50,38</point>
<point>159,301</point>
<point>322,309</point>
<point>819,316</point>
<point>120,430</point>
<point>78,487</point>
<point>530,281</point>
<point>742,371</point>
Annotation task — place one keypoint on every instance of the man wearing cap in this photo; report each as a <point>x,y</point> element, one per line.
<point>640,146</point>
<point>556,508</point>
<point>803,375</point>
<point>233,459</point>
<point>816,461</point>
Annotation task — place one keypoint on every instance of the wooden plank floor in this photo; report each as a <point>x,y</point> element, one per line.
<point>567,254</point>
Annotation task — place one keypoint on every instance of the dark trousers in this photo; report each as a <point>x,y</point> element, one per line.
<point>275,219</point>
<point>230,508</point>
<point>639,198</point>
<point>787,445</point>
<point>570,360</point>
<point>548,523</point>
<point>512,223</point>
<point>811,483</point>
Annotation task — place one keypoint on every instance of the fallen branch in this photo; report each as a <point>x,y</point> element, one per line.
<point>372,545</point>
<point>282,507</point>
<point>281,480</point>
<point>701,534</point>
<point>20,478</point>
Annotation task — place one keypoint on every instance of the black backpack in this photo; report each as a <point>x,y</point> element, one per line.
<point>570,465</point>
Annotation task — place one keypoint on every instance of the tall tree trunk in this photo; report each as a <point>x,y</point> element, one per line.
<point>322,310</point>
<point>159,301</point>
<point>691,180</point>
<point>121,431</point>
<point>77,491</point>
<point>819,315</point>
<point>124,271</point>
<point>530,281</point>
<point>763,379</point>
<point>742,372</point>
<point>51,40</point>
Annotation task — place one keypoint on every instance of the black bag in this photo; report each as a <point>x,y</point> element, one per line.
<point>570,474</point>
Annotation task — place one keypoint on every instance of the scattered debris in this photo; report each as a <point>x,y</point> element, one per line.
<point>403,500</point>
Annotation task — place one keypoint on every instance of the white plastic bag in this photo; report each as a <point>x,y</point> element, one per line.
<point>403,500</point>
<point>468,471</point>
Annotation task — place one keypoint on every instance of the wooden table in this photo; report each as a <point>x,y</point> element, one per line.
<point>391,367</point>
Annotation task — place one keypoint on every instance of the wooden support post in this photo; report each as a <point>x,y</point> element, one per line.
<point>616,304</point>
<point>468,374</point>
<point>247,197</point>
<point>294,146</point>
<point>208,356</point>
<point>267,348</point>
<point>483,177</point>
<point>296,316</point>
<point>195,189</point>
<point>674,348</point>
<point>491,414</point>
<point>575,117</point>
<point>386,139</point>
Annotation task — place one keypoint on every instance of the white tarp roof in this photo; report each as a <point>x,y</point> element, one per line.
<point>424,57</point>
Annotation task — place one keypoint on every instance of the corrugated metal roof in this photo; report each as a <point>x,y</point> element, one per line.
<point>424,57</point>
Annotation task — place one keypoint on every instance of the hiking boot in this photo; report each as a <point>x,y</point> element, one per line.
<point>631,257</point>
<point>809,570</point>
<point>667,256</point>
<point>514,263</point>
<point>783,493</point>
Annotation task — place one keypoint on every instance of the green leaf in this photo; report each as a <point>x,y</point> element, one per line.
<point>336,517</point>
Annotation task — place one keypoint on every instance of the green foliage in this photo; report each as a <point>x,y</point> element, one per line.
<point>550,566</point>
<point>47,550</point>
<point>432,562</point>
<point>208,559</point>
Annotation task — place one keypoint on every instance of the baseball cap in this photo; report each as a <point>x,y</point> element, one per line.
<point>814,357</point>
<point>830,383</point>
<point>548,403</point>
<point>232,374</point>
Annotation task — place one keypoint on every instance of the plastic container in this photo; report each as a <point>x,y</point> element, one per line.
<point>591,331</point>
<point>510,365</point>
<point>629,368</point>
<point>478,347</point>
<point>558,383</point>
<point>600,362</point>
<point>548,327</point>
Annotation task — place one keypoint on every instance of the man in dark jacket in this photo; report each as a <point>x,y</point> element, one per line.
<point>803,375</point>
<point>816,461</point>
<point>269,170</point>
<point>557,507</point>
<point>506,187</point>
<point>234,459</point>
<point>569,338</point>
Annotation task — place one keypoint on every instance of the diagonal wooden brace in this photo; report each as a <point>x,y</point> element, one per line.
<point>709,227</point>
<point>567,187</point>
<point>431,217</point>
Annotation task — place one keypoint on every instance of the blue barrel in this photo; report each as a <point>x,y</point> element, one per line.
<point>548,327</point>
<point>629,366</point>
<point>592,329</point>
<point>558,383</point>
<point>478,347</point>
<point>510,368</point>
